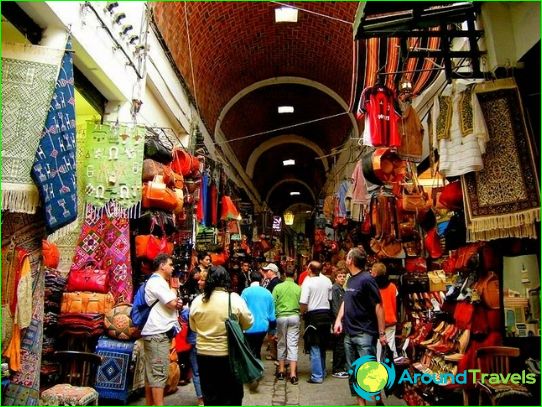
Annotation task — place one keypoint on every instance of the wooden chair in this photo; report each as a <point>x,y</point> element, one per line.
<point>77,378</point>
<point>496,359</point>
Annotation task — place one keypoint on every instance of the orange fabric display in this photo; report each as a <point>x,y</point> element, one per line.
<point>51,254</point>
<point>229,210</point>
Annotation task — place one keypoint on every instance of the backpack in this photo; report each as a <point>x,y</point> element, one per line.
<point>140,309</point>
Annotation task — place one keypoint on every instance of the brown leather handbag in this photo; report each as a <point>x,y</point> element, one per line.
<point>85,302</point>
<point>89,278</point>
<point>152,168</point>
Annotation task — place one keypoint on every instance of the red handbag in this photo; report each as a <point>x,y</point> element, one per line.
<point>88,278</point>
<point>149,246</point>
<point>184,163</point>
<point>181,340</point>
<point>415,265</point>
<point>432,244</point>
<point>451,196</point>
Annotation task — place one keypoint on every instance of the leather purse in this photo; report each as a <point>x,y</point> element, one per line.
<point>152,168</point>
<point>88,278</point>
<point>451,196</point>
<point>157,151</point>
<point>184,163</point>
<point>84,302</point>
<point>157,195</point>
<point>416,265</point>
<point>432,244</point>
<point>149,246</point>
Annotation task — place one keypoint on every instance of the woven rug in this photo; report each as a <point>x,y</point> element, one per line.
<point>503,200</point>
<point>28,80</point>
<point>27,232</point>
<point>105,241</point>
<point>54,162</point>
<point>112,376</point>
<point>112,171</point>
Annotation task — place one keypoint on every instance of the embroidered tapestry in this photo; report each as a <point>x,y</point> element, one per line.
<point>54,162</point>
<point>28,80</point>
<point>105,242</point>
<point>503,200</point>
<point>27,232</point>
<point>114,158</point>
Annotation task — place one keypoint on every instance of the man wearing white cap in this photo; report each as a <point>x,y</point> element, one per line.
<point>272,274</point>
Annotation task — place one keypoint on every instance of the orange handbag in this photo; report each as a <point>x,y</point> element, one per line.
<point>149,246</point>
<point>157,195</point>
<point>184,163</point>
<point>86,302</point>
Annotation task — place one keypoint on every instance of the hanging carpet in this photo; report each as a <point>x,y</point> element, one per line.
<point>113,161</point>
<point>27,232</point>
<point>28,80</point>
<point>503,200</point>
<point>54,162</point>
<point>105,242</point>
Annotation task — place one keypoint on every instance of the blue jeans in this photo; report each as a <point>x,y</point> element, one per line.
<point>355,347</point>
<point>318,363</point>
<point>195,371</point>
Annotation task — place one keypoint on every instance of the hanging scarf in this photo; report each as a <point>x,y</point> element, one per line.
<point>28,80</point>
<point>54,163</point>
<point>114,158</point>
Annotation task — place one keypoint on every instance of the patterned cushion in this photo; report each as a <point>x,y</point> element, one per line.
<point>118,324</point>
<point>68,395</point>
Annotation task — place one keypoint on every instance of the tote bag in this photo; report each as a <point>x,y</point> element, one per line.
<point>244,365</point>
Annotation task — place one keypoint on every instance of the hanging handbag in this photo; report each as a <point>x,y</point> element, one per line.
<point>451,196</point>
<point>181,340</point>
<point>51,254</point>
<point>89,278</point>
<point>184,163</point>
<point>414,198</point>
<point>149,246</point>
<point>152,168</point>
<point>157,195</point>
<point>157,151</point>
<point>416,265</point>
<point>244,365</point>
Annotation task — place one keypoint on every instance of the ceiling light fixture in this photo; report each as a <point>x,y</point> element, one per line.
<point>293,193</point>
<point>285,15</point>
<point>288,162</point>
<point>286,109</point>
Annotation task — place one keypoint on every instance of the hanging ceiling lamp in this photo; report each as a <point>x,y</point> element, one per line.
<point>288,218</point>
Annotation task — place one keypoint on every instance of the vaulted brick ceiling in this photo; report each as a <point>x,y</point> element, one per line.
<point>237,45</point>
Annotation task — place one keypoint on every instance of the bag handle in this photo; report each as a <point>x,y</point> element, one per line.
<point>229,305</point>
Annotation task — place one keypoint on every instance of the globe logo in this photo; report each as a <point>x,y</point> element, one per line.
<point>371,377</point>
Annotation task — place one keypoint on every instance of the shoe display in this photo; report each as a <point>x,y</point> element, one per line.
<point>341,375</point>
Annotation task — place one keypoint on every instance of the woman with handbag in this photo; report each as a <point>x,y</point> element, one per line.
<point>208,314</point>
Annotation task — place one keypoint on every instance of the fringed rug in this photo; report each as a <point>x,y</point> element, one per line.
<point>105,241</point>
<point>28,80</point>
<point>112,172</point>
<point>54,162</point>
<point>113,374</point>
<point>503,200</point>
<point>27,232</point>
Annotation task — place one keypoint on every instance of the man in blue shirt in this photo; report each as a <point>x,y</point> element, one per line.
<point>261,305</point>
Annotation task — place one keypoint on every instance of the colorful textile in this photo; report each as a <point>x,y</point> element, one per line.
<point>28,79</point>
<point>112,172</point>
<point>503,200</point>
<point>54,162</point>
<point>27,232</point>
<point>65,394</point>
<point>105,241</point>
<point>113,374</point>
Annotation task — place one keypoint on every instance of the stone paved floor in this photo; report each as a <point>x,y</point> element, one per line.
<point>281,393</point>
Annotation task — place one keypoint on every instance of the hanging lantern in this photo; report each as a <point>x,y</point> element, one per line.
<point>288,218</point>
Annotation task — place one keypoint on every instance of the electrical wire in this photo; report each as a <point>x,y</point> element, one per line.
<point>282,128</point>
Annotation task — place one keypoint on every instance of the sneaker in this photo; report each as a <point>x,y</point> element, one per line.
<point>294,380</point>
<point>341,375</point>
<point>280,375</point>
